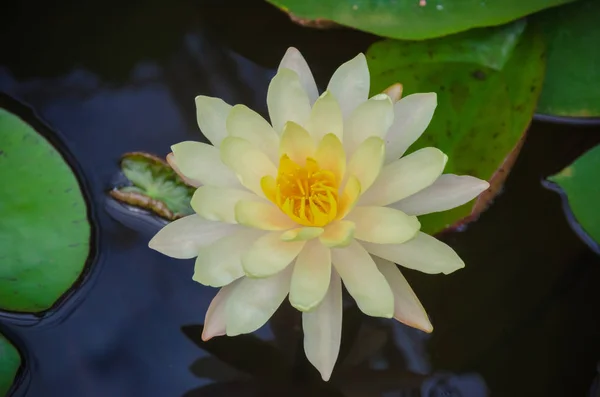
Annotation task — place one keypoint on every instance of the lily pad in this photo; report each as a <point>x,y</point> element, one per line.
<point>579,181</point>
<point>44,228</point>
<point>412,19</point>
<point>571,87</point>
<point>10,360</point>
<point>487,82</point>
<point>154,186</point>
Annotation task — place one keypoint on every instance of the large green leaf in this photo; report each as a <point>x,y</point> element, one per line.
<point>487,83</point>
<point>580,181</point>
<point>414,19</point>
<point>44,228</point>
<point>10,360</point>
<point>572,85</point>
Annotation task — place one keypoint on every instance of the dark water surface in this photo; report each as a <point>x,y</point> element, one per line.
<point>520,320</point>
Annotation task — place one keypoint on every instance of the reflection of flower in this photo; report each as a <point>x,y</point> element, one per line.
<point>322,185</point>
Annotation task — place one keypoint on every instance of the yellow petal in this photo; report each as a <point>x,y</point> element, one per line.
<point>330,156</point>
<point>323,329</point>
<point>245,123</point>
<point>405,177</point>
<point>310,279</point>
<point>366,162</point>
<point>382,225</point>
<point>211,114</point>
<point>218,204</point>
<point>287,100</point>
<point>296,143</point>
<point>302,234</point>
<point>349,197</point>
<point>220,263</point>
<point>254,301</point>
<point>325,118</point>
<point>423,253</point>
<point>261,215</point>
<point>269,255</point>
<point>201,162</point>
<point>247,162</point>
<point>188,181</point>
<point>407,307</point>
<point>363,280</point>
<point>371,118</point>
<point>338,234</point>
<point>268,184</point>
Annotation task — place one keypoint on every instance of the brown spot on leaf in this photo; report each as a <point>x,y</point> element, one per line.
<point>479,75</point>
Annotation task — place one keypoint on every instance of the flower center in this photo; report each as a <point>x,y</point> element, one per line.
<point>307,194</point>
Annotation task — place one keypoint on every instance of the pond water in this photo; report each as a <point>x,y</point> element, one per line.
<point>520,320</point>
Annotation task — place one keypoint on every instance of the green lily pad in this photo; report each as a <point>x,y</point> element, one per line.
<point>572,80</point>
<point>487,83</point>
<point>10,360</point>
<point>44,228</point>
<point>412,19</point>
<point>154,186</point>
<point>580,182</point>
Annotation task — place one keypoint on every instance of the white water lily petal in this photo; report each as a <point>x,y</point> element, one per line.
<point>247,162</point>
<point>183,238</point>
<point>405,177</point>
<point>366,162</point>
<point>382,225</point>
<point>407,307</point>
<point>350,84</point>
<point>254,301</point>
<point>262,215</point>
<point>294,60</point>
<point>371,118</point>
<point>220,263</point>
<point>338,234</point>
<point>211,114</point>
<point>310,278</point>
<point>217,203</point>
<point>287,100</point>
<point>423,253</point>
<point>302,233</point>
<point>245,123</point>
<point>296,143</point>
<point>323,329</point>
<point>363,280</point>
<point>447,192</point>
<point>201,162</point>
<point>412,115</point>
<point>270,255</point>
<point>325,118</point>
<point>214,321</point>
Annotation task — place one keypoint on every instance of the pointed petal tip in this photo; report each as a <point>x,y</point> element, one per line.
<point>292,50</point>
<point>326,374</point>
<point>382,97</point>
<point>305,308</point>
<point>206,336</point>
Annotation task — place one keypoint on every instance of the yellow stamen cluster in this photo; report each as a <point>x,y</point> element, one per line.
<point>307,194</point>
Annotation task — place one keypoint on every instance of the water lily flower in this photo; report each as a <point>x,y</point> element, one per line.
<point>318,197</point>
